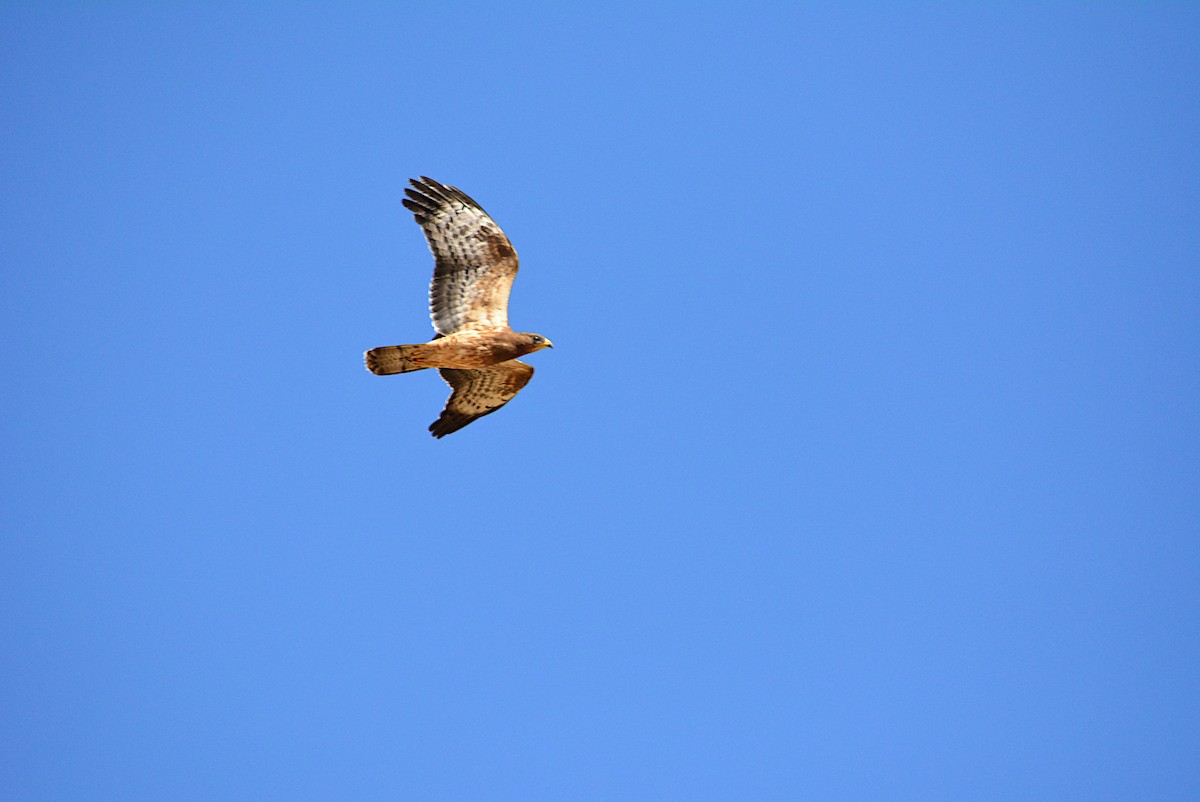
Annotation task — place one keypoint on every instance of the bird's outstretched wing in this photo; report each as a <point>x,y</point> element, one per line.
<point>479,392</point>
<point>474,263</point>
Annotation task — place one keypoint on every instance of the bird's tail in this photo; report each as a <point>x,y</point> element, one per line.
<point>392,359</point>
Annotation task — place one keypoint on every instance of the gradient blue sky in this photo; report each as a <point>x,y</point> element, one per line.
<point>867,465</point>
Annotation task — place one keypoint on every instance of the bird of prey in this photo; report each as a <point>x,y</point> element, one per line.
<point>474,348</point>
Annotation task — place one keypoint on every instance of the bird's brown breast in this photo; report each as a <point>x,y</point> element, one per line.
<point>474,349</point>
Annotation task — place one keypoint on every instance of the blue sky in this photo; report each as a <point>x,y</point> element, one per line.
<point>865,465</point>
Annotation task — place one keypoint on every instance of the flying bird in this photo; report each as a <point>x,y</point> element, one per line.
<point>474,349</point>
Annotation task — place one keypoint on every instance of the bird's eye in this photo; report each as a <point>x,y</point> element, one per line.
<point>537,339</point>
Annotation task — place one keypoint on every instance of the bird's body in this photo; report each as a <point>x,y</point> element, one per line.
<point>474,350</point>
<point>463,349</point>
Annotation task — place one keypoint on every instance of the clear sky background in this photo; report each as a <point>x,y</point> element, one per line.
<point>867,464</point>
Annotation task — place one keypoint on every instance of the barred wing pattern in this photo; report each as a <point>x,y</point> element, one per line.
<point>478,392</point>
<point>475,264</point>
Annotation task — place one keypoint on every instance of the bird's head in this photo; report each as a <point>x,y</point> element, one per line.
<point>537,342</point>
